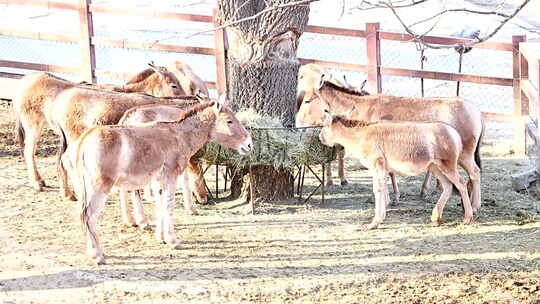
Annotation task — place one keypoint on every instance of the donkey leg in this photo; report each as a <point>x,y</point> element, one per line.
<point>63,176</point>
<point>127,218</point>
<point>341,171</point>
<point>186,195</point>
<point>425,184</point>
<point>32,135</point>
<point>436,214</point>
<point>329,181</point>
<point>475,180</point>
<point>89,215</point>
<point>395,187</point>
<point>379,184</point>
<point>158,198</point>
<point>138,211</point>
<point>168,205</point>
<point>461,185</point>
<point>196,180</point>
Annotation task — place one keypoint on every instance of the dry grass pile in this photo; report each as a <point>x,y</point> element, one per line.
<point>274,145</point>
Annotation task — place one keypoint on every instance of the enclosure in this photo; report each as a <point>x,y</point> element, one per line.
<point>290,251</point>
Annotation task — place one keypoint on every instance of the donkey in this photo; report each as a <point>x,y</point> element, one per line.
<point>34,104</point>
<point>463,117</point>
<point>309,76</point>
<point>78,109</point>
<point>407,148</point>
<point>131,157</point>
<point>163,112</point>
<point>190,82</point>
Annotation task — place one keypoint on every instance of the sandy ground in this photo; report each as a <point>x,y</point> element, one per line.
<point>287,252</point>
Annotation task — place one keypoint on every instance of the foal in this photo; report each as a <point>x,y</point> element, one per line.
<point>131,157</point>
<point>407,148</point>
<point>164,112</point>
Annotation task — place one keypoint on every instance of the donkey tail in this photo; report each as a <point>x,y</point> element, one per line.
<point>19,133</point>
<point>477,159</point>
<point>85,205</point>
<point>62,147</point>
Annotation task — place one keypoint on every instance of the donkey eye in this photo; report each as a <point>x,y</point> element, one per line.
<point>307,101</point>
<point>229,122</point>
<point>174,86</point>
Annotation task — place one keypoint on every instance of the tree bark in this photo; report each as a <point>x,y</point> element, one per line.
<point>262,71</point>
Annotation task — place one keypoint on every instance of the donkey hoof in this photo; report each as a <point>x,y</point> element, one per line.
<point>344,182</point>
<point>467,220</point>
<point>192,212</point>
<point>70,195</point>
<point>175,244</point>
<point>436,223</point>
<point>130,224</point>
<point>37,186</point>
<point>100,261</point>
<point>42,183</point>
<point>144,226</point>
<point>371,226</point>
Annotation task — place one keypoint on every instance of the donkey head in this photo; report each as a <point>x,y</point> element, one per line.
<point>327,132</point>
<point>310,112</point>
<point>163,82</point>
<point>228,131</point>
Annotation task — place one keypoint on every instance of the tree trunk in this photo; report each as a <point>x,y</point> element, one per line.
<point>262,71</point>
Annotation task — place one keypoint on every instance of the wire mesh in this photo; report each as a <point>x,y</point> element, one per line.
<point>344,49</point>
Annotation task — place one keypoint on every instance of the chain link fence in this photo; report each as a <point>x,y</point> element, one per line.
<point>406,55</point>
<point>335,48</point>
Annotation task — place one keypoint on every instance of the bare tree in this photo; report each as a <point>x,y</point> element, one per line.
<point>262,71</point>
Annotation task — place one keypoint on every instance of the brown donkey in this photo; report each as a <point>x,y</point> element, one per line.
<point>78,109</point>
<point>34,104</point>
<point>190,82</point>
<point>194,174</point>
<point>407,148</point>
<point>309,76</point>
<point>463,117</point>
<point>131,157</point>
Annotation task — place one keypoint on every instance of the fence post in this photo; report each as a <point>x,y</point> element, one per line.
<point>88,58</point>
<point>220,42</point>
<point>373,47</point>
<point>520,100</point>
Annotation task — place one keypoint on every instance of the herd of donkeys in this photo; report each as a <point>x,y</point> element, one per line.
<point>145,134</point>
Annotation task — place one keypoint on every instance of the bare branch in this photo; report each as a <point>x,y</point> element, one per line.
<point>257,15</point>
<point>368,5</point>
<point>418,38</point>
<point>459,10</point>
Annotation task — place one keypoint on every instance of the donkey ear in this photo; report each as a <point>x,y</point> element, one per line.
<point>363,84</point>
<point>322,80</point>
<point>221,102</point>
<point>327,116</point>
<point>157,69</point>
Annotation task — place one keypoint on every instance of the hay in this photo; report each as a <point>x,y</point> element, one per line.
<point>274,145</point>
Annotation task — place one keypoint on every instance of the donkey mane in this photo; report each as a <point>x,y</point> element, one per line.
<point>351,123</point>
<point>193,110</point>
<point>337,87</point>
<point>141,76</point>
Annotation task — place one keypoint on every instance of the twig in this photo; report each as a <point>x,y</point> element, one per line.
<point>268,9</point>
<point>418,38</point>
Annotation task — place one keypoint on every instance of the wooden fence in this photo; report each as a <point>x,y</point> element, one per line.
<point>373,36</point>
<point>528,90</point>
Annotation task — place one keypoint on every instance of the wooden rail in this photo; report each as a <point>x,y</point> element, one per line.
<point>523,91</point>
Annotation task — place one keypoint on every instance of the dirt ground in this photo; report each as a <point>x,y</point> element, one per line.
<point>287,252</point>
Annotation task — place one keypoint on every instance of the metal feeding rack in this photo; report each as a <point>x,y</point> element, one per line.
<point>295,149</point>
